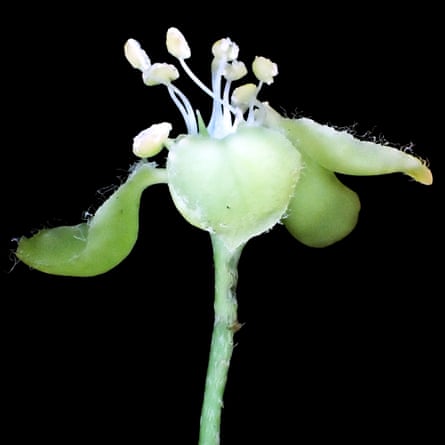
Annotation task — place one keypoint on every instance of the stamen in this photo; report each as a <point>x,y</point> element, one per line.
<point>218,66</point>
<point>185,107</point>
<point>227,117</point>
<point>195,79</point>
<point>178,47</point>
<point>227,112</point>
<point>251,115</point>
<point>224,51</point>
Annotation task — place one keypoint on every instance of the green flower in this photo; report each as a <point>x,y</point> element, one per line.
<point>235,176</point>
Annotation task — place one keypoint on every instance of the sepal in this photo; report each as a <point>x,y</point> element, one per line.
<point>96,246</point>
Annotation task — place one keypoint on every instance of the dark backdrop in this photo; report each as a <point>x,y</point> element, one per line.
<point>341,343</point>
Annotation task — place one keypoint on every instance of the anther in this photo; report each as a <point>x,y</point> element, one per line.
<point>225,49</point>
<point>137,57</point>
<point>177,46</point>
<point>235,70</point>
<point>264,69</point>
<point>244,96</point>
<point>150,142</point>
<point>160,73</point>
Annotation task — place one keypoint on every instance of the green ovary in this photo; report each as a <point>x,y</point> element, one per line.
<point>322,210</point>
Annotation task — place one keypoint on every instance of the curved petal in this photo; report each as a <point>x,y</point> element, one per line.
<point>322,210</point>
<point>96,246</point>
<point>341,152</point>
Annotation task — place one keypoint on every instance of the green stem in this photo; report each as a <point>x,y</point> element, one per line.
<point>225,326</point>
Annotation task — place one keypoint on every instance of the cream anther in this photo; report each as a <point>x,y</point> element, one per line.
<point>244,96</point>
<point>177,46</point>
<point>136,55</point>
<point>264,69</point>
<point>235,70</point>
<point>150,142</point>
<point>160,73</point>
<point>225,49</point>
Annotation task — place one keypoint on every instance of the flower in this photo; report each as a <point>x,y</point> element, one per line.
<point>236,175</point>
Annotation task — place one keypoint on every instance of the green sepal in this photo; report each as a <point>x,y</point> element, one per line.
<point>96,246</point>
<point>236,187</point>
<point>322,210</point>
<point>341,152</point>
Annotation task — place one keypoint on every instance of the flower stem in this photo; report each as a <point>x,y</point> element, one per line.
<point>225,326</point>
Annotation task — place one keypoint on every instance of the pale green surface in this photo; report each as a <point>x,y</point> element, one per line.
<point>322,210</point>
<point>225,326</point>
<point>341,152</point>
<point>236,187</point>
<point>100,244</point>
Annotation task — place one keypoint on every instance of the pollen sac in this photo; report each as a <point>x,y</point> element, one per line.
<point>160,73</point>
<point>264,69</point>
<point>225,49</point>
<point>150,142</point>
<point>235,70</point>
<point>244,95</point>
<point>137,57</point>
<point>177,46</point>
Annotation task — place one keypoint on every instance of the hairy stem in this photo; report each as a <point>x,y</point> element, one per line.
<point>225,326</point>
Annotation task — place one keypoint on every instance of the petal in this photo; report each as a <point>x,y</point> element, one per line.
<point>322,210</point>
<point>96,246</point>
<point>341,152</point>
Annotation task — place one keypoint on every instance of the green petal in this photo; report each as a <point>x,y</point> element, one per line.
<point>341,152</point>
<point>322,210</point>
<point>96,246</point>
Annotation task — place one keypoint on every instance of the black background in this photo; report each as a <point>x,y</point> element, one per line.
<point>341,343</point>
